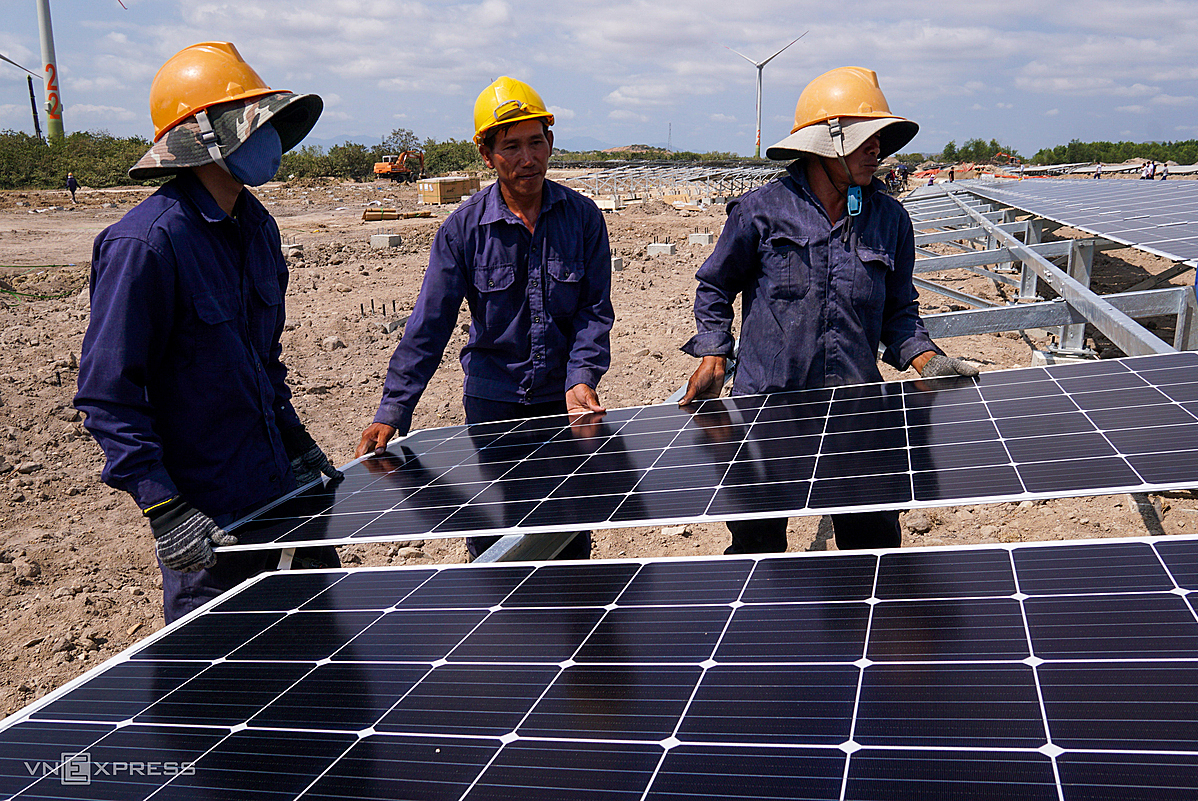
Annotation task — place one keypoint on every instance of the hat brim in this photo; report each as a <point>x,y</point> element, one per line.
<point>895,133</point>
<point>233,123</point>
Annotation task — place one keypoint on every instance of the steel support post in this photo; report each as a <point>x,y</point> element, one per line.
<point>1186,334</point>
<point>1072,338</point>
<point>1028,280</point>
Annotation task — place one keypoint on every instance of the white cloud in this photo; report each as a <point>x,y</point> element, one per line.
<point>560,113</point>
<point>99,114</point>
<point>1052,112</point>
<point>717,117</point>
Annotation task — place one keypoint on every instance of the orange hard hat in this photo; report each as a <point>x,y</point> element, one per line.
<point>505,101</point>
<point>851,97</point>
<point>198,77</point>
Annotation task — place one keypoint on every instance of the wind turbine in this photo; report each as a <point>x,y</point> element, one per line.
<point>760,65</point>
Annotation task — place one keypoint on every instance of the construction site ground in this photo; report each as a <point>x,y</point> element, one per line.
<point>78,580</point>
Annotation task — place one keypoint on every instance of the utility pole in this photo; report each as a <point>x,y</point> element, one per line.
<point>54,128</point>
<point>761,65</point>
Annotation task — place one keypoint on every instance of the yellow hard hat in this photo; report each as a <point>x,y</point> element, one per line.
<point>851,96</point>
<point>507,101</point>
<point>198,77</point>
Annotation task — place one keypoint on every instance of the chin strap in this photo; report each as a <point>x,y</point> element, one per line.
<point>852,197</point>
<point>208,139</point>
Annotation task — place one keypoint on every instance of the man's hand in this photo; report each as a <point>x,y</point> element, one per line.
<point>936,365</point>
<point>307,466</point>
<point>582,399</point>
<point>184,536</point>
<point>707,381</point>
<point>374,439</point>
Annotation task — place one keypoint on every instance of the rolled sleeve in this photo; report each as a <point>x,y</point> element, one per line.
<point>721,278</point>
<point>903,332</point>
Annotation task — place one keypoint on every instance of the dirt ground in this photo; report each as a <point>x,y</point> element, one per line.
<point>78,582</point>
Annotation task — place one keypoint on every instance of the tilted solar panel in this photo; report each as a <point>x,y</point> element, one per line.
<point>1029,671</point>
<point>1160,217</point>
<point>1087,428</point>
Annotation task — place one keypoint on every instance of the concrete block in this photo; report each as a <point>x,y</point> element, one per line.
<point>610,203</point>
<point>382,241</point>
<point>617,264</point>
<point>293,250</point>
<point>700,239</point>
<point>661,249</point>
<point>1043,358</point>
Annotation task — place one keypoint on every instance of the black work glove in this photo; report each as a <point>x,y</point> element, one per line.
<point>184,536</point>
<point>940,366</point>
<point>307,459</point>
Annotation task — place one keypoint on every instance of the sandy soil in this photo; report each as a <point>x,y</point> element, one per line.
<point>78,581</point>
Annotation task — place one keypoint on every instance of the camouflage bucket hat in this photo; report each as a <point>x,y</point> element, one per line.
<point>179,148</point>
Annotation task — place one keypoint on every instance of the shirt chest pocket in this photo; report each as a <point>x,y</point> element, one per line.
<point>786,262</point>
<point>264,315</point>
<point>565,286</point>
<point>216,344</point>
<point>869,284</point>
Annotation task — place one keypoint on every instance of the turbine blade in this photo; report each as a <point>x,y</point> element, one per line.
<point>775,55</point>
<point>18,66</point>
<point>742,55</point>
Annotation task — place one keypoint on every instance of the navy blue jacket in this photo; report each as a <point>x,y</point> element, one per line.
<point>180,376</point>
<point>814,307</point>
<point>540,304</point>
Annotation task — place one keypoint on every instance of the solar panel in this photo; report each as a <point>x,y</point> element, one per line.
<point>1160,217</point>
<point>1109,426</point>
<point>1030,671</point>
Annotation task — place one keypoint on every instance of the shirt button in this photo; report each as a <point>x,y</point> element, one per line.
<point>490,283</point>
<point>275,479</point>
<point>536,319</point>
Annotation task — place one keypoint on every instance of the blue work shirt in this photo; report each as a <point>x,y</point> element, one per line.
<point>180,375</point>
<point>540,304</point>
<point>815,308</point>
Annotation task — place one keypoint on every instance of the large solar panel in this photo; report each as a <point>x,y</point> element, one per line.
<point>1109,426</point>
<point>1045,671</point>
<point>1159,217</point>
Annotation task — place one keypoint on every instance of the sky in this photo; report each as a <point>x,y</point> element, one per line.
<point>1031,74</point>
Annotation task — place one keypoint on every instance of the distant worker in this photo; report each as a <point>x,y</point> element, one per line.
<point>181,377</point>
<point>72,185</point>
<point>952,175</point>
<point>1147,171</point>
<point>1164,170</point>
<point>823,262</point>
<point>532,260</point>
<point>1098,171</point>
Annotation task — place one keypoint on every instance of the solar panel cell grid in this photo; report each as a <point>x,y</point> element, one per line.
<point>1018,434</point>
<point>855,675</point>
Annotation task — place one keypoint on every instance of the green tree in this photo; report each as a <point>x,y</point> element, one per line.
<point>398,141</point>
<point>449,156</point>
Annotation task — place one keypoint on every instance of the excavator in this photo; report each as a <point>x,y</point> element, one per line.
<point>397,168</point>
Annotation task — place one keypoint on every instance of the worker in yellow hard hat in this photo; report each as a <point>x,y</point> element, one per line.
<point>180,376</point>
<point>531,258</point>
<point>822,258</point>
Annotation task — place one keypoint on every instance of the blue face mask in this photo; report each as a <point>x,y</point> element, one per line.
<point>258,159</point>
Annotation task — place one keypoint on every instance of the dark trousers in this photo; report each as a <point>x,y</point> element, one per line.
<point>853,532</point>
<point>183,592</point>
<point>482,410</point>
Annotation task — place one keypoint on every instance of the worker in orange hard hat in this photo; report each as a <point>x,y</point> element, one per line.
<point>823,259</point>
<point>532,260</point>
<point>180,376</point>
